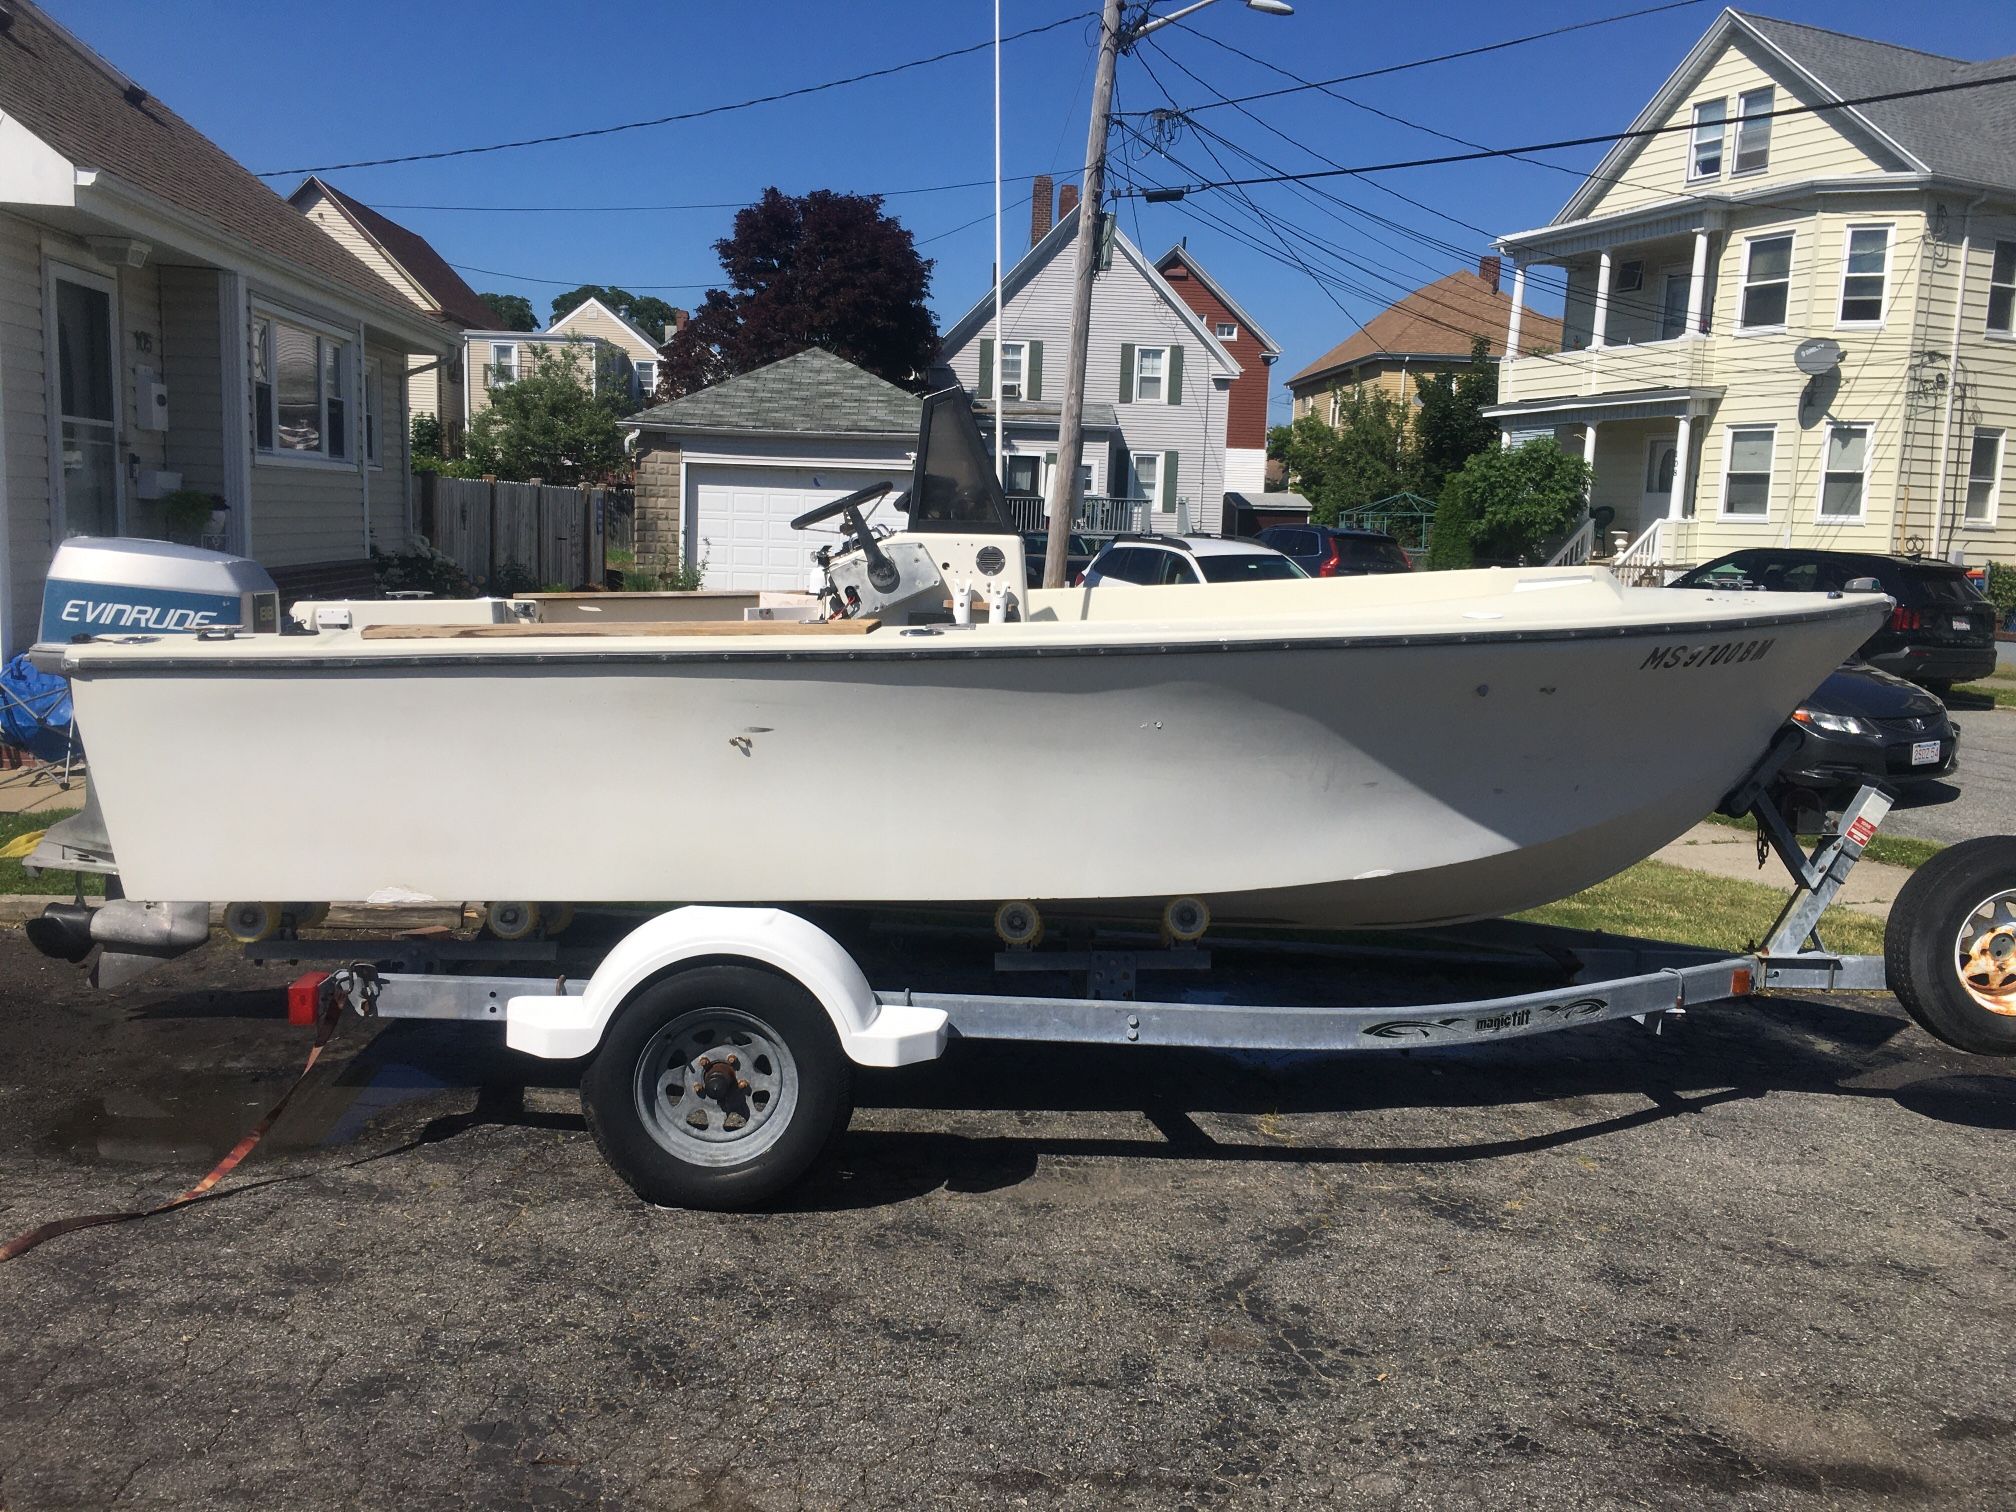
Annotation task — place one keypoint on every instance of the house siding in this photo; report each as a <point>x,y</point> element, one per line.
<point>389,482</point>
<point>1126,308</point>
<point>1802,146</point>
<point>591,320</point>
<point>476,358</point>
<point>27,437</point>
<point>192,368</point>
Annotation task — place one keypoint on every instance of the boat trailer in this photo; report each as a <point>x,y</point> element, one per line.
<point>720,1040</point>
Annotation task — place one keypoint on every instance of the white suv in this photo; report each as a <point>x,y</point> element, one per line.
<point>1147,561</point>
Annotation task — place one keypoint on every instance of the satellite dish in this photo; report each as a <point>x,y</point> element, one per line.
<point>1817,356</point>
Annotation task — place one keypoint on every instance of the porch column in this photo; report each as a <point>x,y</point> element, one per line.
<point>1589,454</point>
<point>1518,309</point>
<point>234,346</point>
<point>1697,285</point>
<point>1676,506</point>
<point>1601,318</point>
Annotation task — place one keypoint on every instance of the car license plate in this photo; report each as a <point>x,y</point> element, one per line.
<point>1924,752</point>
<point>1961,623</point>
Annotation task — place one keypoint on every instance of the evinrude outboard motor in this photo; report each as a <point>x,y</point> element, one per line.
<point>109,585</point>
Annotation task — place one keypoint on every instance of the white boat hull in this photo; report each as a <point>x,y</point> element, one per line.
<point>1383,777</point>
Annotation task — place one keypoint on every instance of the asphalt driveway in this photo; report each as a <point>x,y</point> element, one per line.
<point>1762,1259</point>
<point>1982,799</point>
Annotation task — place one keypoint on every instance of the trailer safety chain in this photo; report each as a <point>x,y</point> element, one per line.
<point>328,1015</point>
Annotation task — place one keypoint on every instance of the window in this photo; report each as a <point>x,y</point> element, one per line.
<point>1014,368</point>
<point>1705,160</point>
<point>1984,476</point>
<point>1847,460</point>
<point>1022,475</point>
<point>647,378</point>
<point>1746,479</point>
<point>1673,307</point>
<point>503,363</point>
<point>1225,330</point>
<point>1753,131</point>
<point>1148,365</point>
<point>1863,274</point>
<point>1147,473</point>
<point>2002,290</point>
<point>1767,282</point>
<point>300,390</point>
<point>374,399</point>
<point>1174,568</point>
<point>1630,276</point>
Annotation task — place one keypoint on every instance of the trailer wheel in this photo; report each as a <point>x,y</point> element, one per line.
<point>249,923</point>
<point>1950,947</point>
<point>716,1087</point>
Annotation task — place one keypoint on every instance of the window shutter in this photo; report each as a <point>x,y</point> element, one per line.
<point>986,386</point>
<point>1174,387</point>
<point>1126,371</point>
<point>1167,482</point>
<point>1032,371</point>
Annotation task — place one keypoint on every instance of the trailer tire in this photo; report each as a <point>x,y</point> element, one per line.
<point>1949,950</point>
<point>761,1084</point>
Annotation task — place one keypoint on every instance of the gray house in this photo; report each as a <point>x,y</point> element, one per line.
<point>1157,384</point>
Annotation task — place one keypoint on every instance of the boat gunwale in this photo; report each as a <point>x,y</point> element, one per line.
<point>924,647</point>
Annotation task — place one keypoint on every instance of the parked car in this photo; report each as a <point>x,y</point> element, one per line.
<point>1335,551</point>
<point>1863,725</point>
<point>1940,633</point>
<point>1146,561</point>
<point>1036,546</point>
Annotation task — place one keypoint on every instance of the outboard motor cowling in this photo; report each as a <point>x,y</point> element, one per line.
<point>113,585</point>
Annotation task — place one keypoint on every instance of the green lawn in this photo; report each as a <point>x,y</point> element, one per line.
<point>1665,902</point>
<point>1999,689</point>
<point>14,880</point>
<point>1890,850</point>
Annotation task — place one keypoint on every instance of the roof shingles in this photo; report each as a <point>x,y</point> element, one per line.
<point>812,393</point>
<point>79,104</point>
<point>1440,320</point>
<point>412,251</point>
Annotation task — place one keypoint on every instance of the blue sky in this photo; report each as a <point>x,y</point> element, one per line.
<point>282,84</point>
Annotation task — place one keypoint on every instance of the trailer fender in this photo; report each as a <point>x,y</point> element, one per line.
<point>872,1033</point>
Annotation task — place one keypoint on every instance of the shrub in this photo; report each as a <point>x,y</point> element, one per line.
<point>420,568</point>
<point>1506,504</point>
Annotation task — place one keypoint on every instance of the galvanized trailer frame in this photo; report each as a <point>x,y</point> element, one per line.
<point>1792,956</point>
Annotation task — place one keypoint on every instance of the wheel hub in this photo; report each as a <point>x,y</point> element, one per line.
<point>715,1086</point>
<point>1987,954</point>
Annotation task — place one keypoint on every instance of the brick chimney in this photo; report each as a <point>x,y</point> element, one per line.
<point>1487,269</point>
<point>1039,208</point>
<point>1067,201</point>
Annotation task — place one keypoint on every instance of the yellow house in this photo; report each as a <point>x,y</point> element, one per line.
<point>1787,325</point>
<point>495,359</point>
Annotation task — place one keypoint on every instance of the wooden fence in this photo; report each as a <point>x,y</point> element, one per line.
<point>518,536</point>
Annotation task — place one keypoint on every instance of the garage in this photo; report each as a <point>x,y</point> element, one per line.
<point>741,518</point>
<point>722,472</point>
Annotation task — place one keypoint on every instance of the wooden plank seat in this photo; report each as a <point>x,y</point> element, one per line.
<point>649,629</point>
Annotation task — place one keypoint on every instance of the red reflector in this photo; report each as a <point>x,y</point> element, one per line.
<point>304,998</point>
<point>1741,982</point>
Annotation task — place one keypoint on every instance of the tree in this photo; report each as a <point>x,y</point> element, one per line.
<point>822,269</point>
<point>1449,424</point>
<point>513,311</point>
<point>546,425</point>
<point>1506,503</point>
<point>647,312</point>
<point>1365,457</point>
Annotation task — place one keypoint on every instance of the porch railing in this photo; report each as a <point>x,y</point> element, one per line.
<point>1578,548</point>
<point>1097,514</point>
<point>1650,561</point>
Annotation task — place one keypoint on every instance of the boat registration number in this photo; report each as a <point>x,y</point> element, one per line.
<point>1924,752</point>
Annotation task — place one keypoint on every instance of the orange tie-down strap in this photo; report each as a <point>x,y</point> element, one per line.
<point>20,1244</point>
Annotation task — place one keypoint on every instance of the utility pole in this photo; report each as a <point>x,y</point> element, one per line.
<point>1113,36</point>
<point>1071,422</point>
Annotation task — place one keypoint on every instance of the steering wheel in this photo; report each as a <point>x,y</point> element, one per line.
<point>855,500</point>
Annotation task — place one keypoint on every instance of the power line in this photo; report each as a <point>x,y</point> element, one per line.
<point>1468,52</point>
<point>571,283</point>
<point>684,115</point>
<point>696,205</point>
<point>1179,190</point>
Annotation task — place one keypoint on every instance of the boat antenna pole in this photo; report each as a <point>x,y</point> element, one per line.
<point>1000,335</point>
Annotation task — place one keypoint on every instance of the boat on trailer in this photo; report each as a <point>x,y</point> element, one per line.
<point>1358,753</point>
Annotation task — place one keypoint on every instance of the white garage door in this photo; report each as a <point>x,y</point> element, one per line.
<point>742,519</point>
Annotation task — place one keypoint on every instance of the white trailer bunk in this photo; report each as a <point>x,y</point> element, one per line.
<point>720,1040</point>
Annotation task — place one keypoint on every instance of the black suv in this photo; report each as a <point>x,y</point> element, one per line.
<point>1941,632</point>
<point>1335,551</point>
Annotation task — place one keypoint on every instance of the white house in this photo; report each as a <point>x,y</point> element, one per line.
<point>1157,382</point>
<point>167,322</point>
